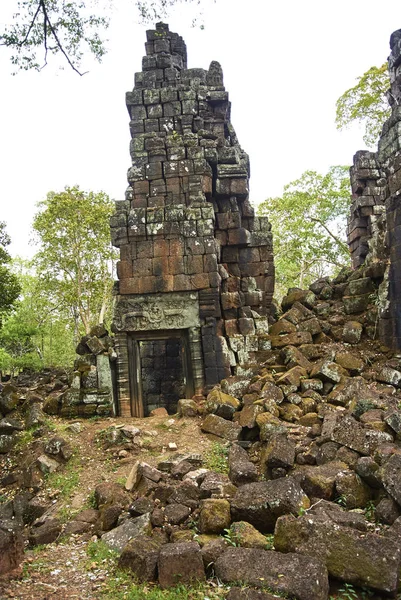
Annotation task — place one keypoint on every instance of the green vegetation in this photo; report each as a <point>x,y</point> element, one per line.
<point>75,256</point>
<point>216,458</point>
<point>67,480</point>
<point>122,586</point>
<point>9,285</point>
<point>308,225</point>
<point>42,29</point>
<point>366,103</point>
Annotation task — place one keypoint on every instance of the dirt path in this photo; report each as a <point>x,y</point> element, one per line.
<point>63,570</point>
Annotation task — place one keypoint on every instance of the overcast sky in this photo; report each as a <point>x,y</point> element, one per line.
<point>284,64</point>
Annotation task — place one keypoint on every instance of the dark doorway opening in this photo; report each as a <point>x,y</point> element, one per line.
<point>160,371</point>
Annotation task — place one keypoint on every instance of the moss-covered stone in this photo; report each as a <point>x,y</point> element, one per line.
<point>214,516</point>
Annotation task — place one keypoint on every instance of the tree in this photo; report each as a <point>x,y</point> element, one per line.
<point>49,27</point>
<point>40,331</point>
<point>9,285</point>
<point>308,224</point>
<point>75,259</point>
<point>366,103</point>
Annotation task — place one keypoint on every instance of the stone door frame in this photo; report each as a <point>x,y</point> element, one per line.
<point>134,362</point>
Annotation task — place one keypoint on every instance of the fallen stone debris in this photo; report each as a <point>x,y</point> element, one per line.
<point>312,489</point>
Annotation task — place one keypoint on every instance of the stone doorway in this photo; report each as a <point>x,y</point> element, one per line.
<point>160,370</point>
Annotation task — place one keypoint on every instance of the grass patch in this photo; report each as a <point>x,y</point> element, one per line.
<point>121,585</point>
<point>67,480</point>
<point>216,458</point>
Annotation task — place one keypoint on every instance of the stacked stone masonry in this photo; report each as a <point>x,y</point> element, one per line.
<point>368,194</point>
<point>376,188</point>
<point>194,258</point>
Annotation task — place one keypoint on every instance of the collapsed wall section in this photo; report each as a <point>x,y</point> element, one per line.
<point>374,227</point>
<point>194,258</point>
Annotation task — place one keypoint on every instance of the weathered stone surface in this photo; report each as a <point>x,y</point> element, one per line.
<point>187,408</point>
<point>352,332</point>
<point>237,593</point>
<point>391,477</point>
<point>215,516</point>
<point>44,531</point>
<point>241,469</point>
<point>353,490</point>
<point>180,563</point>
<point>262,503</point>
<point>11,545</point>
<point>326,371</point>
<point>319,482</point>
<point>279,452</point>
<point>247,536</point>
<point>111,493</point>
<point>131,528</point>
<point>221,404</point>
<point>176,514</point>
<point>302,577</point>
<point>140,556</point>
<point>221,427</point>
<point>7,442</point>
<point>359,559</point>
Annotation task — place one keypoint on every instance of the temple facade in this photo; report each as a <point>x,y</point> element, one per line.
<point>196,274</point>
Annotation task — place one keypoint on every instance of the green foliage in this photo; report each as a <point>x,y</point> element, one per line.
<point>366,103</point>
<point>39,333</point>
<point>44,28</point>
<point>121,585</point>
<point>216,458</point>
<point>75,259</point>
<point>370,512</point>
<point>346,592</point>
<point>308,224</point>
<point>67,480</point>
<point>9,284</point>
<point>52,27</point>
<point>231,538</point>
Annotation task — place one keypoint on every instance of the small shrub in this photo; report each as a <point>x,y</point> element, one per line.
<point>216,458</point>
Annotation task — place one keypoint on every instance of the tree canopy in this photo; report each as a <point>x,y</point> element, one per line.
<point>9,285</point>
<point>308,224</point>
<point>42,28</point>
<point>366,103</point>
<point>75,257</point>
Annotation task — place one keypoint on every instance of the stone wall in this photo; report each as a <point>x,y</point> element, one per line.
<point>193,256</point>
<point>374,228</point>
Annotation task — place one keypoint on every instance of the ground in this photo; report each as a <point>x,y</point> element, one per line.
<point>63,570</point>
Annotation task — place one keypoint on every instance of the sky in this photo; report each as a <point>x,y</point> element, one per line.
<point>284,63</point>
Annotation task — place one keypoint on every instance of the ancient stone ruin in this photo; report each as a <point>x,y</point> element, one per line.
<point>374,227</point>
<point>196,271</point>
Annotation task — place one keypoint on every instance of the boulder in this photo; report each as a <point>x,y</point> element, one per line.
<point>214,515</point>
<point>261,503</point>
<point>391,477</point>
<point>241,593</point>
<point>353,490</point>
<point>176,514</point>
<point>279,452</point>
<point>241,469</point>
<point>180,563</point>
<point>186,408</point>
<point>221,427</point>
<point>221,404</point>
<point>319,481</point>
<point>247,536</point>
<point>117,538</point>
<point>44,531</point>
<point>140,556</point>
<point>301,577</point>
<point>11,545</point>
<point>361,559</point>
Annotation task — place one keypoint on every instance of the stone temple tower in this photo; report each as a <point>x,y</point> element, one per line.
<point>196,271</point>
